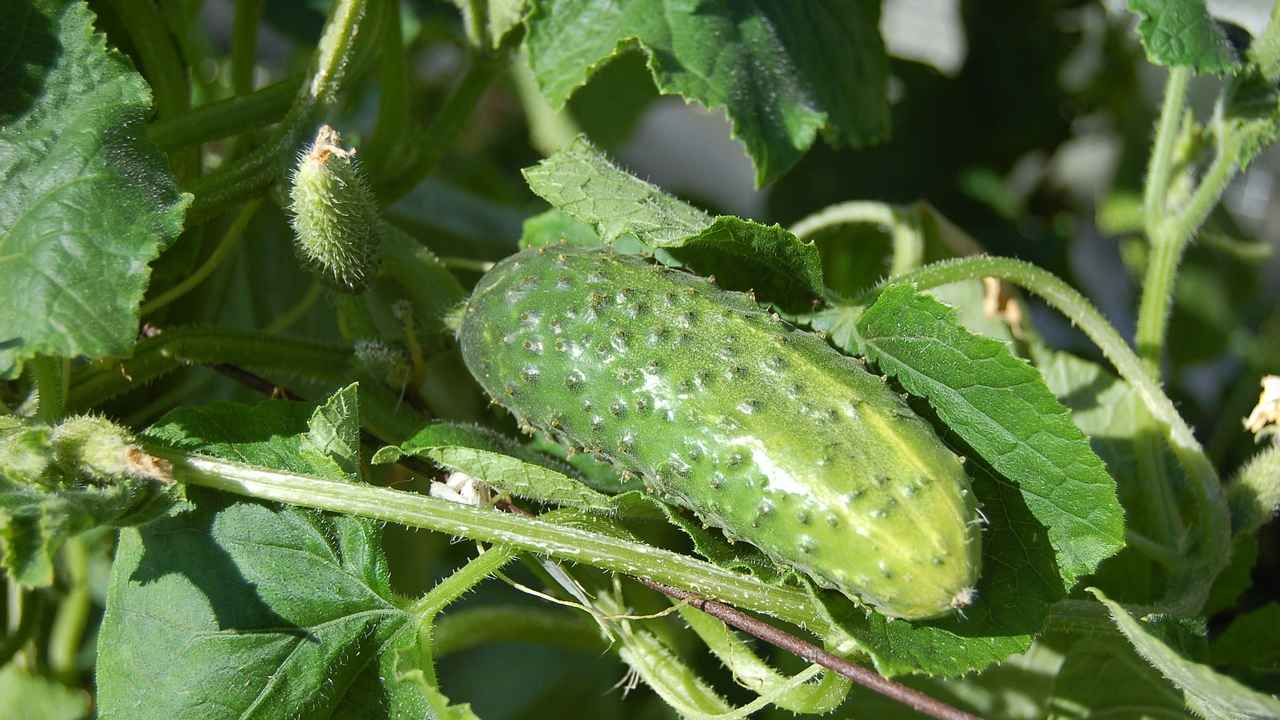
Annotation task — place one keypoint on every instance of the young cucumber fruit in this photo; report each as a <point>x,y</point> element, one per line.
<point>758,428</point>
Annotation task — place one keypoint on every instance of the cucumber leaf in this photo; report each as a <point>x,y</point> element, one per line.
<point>1001,407</point>
<point>1251,642</point>
<point>1208,693</point>
<point>1252,111</point>
<point>583,184</point>
<point>237,608</point>
<point>590,188</point>
<point>1182,33</point>
<point>782,72</point>
<point>1102,676</point>
<point>86,202</point>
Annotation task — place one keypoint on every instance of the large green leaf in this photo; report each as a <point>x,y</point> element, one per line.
<point>1181,33</point>
<point>1251,641</point>
<point>239,609</point>
<point>624,210</point>
<point>587,186</point>
<point>85,201</point>
<point>782,71</point>
<point>1000,406</point>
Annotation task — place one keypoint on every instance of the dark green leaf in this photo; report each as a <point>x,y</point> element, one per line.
<point>623,209</point>
<point>239,608</point>
<point>743,255</point>
<point>85,202</point>
<point>781,71</point>
<point>1251,641</point>
<point>1000,406</point>
<point>1102,676</point>
<point>1181,33</point>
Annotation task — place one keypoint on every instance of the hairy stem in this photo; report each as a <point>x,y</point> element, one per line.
<point>865,677</point>
<point>294,313</point>
<point>1160,166</point>
<point>25,608</point>
<point>73,612</point>
<point>393,101</point>
<point>235,115</point>
<point>472,627</point>
<point>1169,238</point>
<point>51,376</point>
<point>528,534</point>
<point>244,45</point>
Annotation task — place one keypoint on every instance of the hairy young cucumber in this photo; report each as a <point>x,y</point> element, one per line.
<point>758,428</point>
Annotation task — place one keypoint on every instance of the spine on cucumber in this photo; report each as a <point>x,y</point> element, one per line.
<point>760,429</point>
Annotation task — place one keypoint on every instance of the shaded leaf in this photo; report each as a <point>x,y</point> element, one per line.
<point>240,608</point>
<point>85,201</point>
<point>1102,676</point>
<point>1252,110</point>
<point>1000,406</point>
<point>554,227</point>
<point>1251,641</point>
<point>743,255</point>
<point>782,72</point>
<point>1235,578</point>
<point>625,210</point>
<point>1210,694</point>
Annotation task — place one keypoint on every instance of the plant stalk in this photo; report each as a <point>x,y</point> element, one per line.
<point>529,534</point>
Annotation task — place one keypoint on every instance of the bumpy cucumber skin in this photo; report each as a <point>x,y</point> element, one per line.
<point>760,429</point>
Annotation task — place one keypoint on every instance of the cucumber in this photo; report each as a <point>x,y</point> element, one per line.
<point>760,429</point>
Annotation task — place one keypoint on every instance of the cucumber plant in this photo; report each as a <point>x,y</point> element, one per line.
<point>268,312</point>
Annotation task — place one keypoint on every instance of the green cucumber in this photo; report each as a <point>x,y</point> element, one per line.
<point>720,407</point>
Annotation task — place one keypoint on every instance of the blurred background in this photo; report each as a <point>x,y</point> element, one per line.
<point>1026,123</point>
